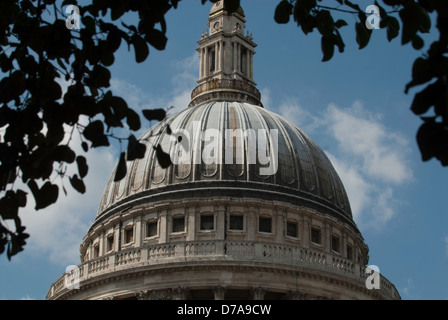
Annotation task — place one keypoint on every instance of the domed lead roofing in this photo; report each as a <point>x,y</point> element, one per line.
<point>304,172</point>
<point>226,98</point>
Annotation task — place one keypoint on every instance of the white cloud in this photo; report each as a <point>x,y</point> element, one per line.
<point>408,291</point>
<point>266,97</point>
<point>371,160</point>
<point>369,157</point>
<point>360,134</point>
<point>358,188</point>
<point>291,109</point>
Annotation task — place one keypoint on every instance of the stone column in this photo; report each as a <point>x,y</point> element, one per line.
<point>217,56</point>
<point>248,63</point>
<point>180,293</point>
<point>251,75</point>
<point>220,222</point>
<point>206,65</point>
<point>101,248</point>
<point>238,57</point>
<point>235,56</point>
<point>116,237</point>
<point>279,224</point>
<point>163,226</point>
<point>138,231</point>
<point>191,223</point>
<point>258,293</point>
<point>327,237</point>
<point>251,223</point>
<point>343,248</point>
<point>306,229</point>
<point>219,292</point>
<point>222,56</point>
<point>201,68</point>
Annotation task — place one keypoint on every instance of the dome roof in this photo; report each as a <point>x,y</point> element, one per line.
<point>304,176</point>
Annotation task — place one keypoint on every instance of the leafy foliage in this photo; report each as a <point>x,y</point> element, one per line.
<point>415,17</point>
<point>38,51</point>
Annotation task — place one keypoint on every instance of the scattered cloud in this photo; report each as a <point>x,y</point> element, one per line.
<point>369,157</point>
<point>408,291</point>
<point>362,135</point>
<point>291,109</point>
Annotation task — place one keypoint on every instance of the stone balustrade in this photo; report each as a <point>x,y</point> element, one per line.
<point>243,251</point>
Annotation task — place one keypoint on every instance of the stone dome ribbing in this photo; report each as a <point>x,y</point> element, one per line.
<point>304,176</point>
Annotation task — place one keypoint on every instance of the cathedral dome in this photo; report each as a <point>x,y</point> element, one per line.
<point>249,208</point>
<point>215,146</point>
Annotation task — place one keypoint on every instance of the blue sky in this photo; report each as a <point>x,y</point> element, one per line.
<point>354,107</point>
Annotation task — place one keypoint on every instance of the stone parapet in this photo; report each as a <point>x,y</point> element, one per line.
<point>216,252</point>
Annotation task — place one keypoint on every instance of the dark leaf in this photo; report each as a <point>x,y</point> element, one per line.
<point>84,146</point>
<point>422,72</point>
<point>114,40</point>
<point>362,35</point>
<point>414,18</point>
<point>156,114</point>
<point>168,130</point>
<point>99,77</point>
<point>162,157</point>
<point>392,27</point>
<point>157,39</point>
<point>83,168</point>
<point>133,120</point>
<point>94,132</point>
<point>432,95</point>
<point>118,8</point>
<point>327,44</point>
<point>44,196</point>
<point>63,153</point>
<point>10,203</point>
<point>417,42</point>
<point>136,150</point>
<point>340,24</point>
<point>432,139</point>
<point>78,184</point>
<point>140,47</point>
<point>231,5</point>
<point>283,12</point>
<point>121,169</point>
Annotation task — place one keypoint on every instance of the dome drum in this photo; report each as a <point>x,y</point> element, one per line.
<point>237,258</point>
